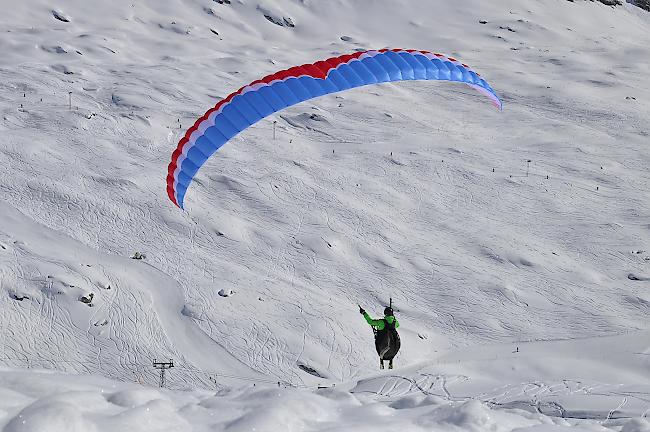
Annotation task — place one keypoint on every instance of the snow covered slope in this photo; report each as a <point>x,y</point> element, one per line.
<point>472,390</point>
<point>417,191</point>
<point>97,404</point>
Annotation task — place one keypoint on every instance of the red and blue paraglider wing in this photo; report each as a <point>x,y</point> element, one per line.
<point>275,92</point>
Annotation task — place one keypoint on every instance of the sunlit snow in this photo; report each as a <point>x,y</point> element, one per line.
<point>515,245</point>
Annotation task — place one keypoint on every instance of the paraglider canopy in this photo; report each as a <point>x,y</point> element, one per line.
<point>263,97</point>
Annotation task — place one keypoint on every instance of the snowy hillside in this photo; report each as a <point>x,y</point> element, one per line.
<point>435,399</point>
<point>478,389</point>
<point>488,229</point>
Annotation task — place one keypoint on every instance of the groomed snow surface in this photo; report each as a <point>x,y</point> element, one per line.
<point>515,244</point>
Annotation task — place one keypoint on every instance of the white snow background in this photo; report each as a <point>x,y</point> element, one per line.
<point>515,245</point>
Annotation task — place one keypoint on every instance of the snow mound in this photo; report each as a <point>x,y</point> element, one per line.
<point>70,403</point>
<point>636,425</point>
<point>415,191</point>
<point>134,397</point>
<point>50,415</point>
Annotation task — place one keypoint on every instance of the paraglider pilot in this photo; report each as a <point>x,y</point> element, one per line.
<point>387,341</point>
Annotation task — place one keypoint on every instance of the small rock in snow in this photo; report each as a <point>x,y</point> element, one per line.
<point>60,16</point>
<point>87,299</point>
<point>226,292</point>
<point>54,49</point>
<point>19,297</point>
<point>138,256</point>
<point>310,370</point>
<point>637,277</point>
